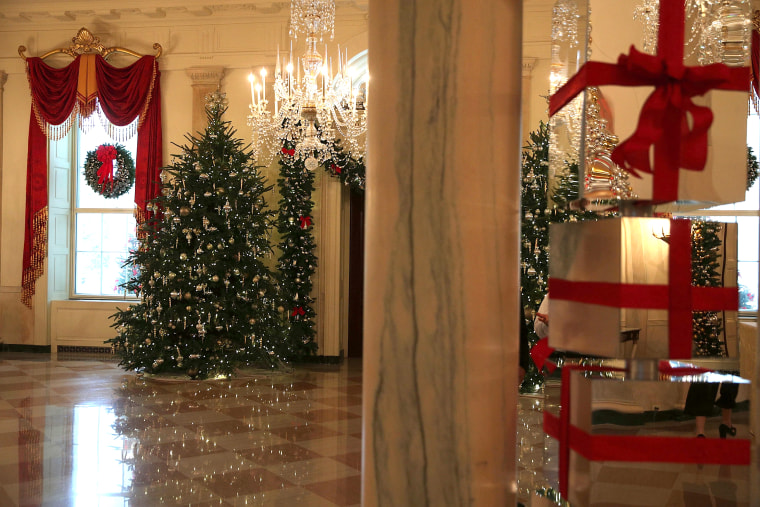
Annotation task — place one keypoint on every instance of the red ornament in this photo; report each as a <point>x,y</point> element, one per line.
<point>106,155</point>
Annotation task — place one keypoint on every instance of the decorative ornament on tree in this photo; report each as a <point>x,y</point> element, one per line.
<point>304,221</point>
<point>109,170</point>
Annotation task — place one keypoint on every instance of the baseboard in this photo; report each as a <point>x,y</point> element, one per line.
<point>17,347</point>
<point>319,360</point>
<point>82,349</point>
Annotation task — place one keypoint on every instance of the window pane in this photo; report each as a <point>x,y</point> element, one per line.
<point>748,285</point>
<point>748,238</point>
<point>89,229</point>
<point>103,244</point>
<point>87,274</point>
<point>86,196</point>
<point>112,271</point>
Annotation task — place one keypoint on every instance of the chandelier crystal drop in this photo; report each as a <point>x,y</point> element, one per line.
<point>718,31</point>
<point>317,103</point>
<point>312,17</point>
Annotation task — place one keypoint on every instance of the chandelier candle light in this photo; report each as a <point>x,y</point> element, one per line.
<point>311,112</point>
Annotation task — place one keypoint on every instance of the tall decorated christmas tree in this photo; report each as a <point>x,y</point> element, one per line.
<point>208,302</point>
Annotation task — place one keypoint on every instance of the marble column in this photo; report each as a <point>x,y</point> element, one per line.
<point>528,64</point>
<point>3,79</point>
<point>442,236</point>
<point>205,80</point>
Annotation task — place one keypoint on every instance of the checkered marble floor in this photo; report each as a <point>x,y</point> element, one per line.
<point>84,432</point>
<point>81,431</point>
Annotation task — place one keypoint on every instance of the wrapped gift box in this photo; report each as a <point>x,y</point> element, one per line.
<point>621,287</point>
<point>628,99</point>
<point>616,435</point>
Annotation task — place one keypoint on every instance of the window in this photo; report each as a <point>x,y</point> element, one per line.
<point>104,229</point>
<point>746,215</point>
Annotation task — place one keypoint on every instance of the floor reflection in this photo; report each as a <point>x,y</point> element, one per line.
<point>83,432</point>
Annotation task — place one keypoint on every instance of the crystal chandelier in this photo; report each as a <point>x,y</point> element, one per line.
<point>315,112</point>
<point>719,30</point>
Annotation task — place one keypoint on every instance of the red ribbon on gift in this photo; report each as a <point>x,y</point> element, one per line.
<point>305,221</point>
<point>679,297</point>
<point>651,449</point>
<point>297,311</point>
<point>663,122</point>
<point>540,352</point>
<point>287,151</point>
<point>106,155</point>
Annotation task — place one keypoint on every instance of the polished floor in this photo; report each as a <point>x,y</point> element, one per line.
<point>79,431</point>
<point>86,433</point>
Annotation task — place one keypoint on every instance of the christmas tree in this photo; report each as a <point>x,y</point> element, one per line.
<point>208,302</point>
<point>534,253</point>
<point>705,251</point>
<point>538,211</point>
<point>297,261</point>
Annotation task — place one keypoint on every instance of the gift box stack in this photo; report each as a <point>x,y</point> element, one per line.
<point>621,289</point>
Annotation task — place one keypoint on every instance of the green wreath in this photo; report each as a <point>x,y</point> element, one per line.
<point>109,170</point>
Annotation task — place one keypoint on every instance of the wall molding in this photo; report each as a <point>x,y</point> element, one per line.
<point>24,12</point>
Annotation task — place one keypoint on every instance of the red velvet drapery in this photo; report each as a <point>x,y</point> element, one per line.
<point>123,94</point>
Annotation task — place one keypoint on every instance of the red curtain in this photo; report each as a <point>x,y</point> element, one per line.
<point>755,63</point>
<point>124,94</point>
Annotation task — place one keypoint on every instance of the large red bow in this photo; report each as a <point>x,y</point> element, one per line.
<point>670,105</point>
<point>305,221</point>
<point>336,168</point>
<point>297,311</point>
<point>106,155</point>
<point>287,151</point>
<point>663,119</point>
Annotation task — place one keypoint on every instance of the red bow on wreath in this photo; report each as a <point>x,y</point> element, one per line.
<point>106,155</point>
<point>297,311</point>
<point>290,151</point>
<point>305,221</point>
<point>335,168</point>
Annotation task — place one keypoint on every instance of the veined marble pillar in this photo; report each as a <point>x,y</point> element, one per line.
<point>3,79</point>
<point>442,237</point>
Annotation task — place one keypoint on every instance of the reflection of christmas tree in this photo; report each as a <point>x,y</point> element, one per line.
<point>207,299</point>
<point>705,253</point>
<point>537,214</point>
<point>297,261</point>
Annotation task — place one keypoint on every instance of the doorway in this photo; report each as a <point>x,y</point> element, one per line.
<point>356,275</point>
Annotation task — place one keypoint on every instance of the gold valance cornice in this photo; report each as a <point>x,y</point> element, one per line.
<point>85,43</point>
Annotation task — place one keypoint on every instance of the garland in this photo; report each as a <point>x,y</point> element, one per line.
<point>350,171</point>
<point>109,170</point>
<point>297,261</point>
